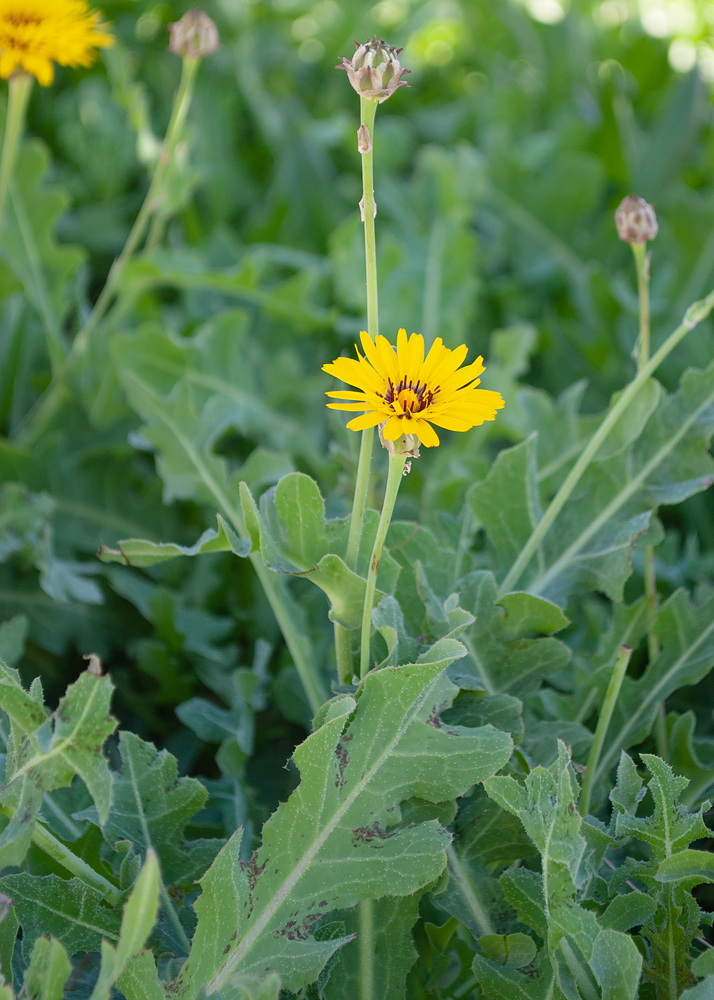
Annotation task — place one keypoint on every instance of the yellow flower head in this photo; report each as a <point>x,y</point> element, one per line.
<point>408,392</point>
<point>36,33</point>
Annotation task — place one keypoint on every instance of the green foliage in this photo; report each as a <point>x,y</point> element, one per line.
<point>175,498</point>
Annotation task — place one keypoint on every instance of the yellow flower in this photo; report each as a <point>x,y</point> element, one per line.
<point>408,392</point>
<point>36,33</point>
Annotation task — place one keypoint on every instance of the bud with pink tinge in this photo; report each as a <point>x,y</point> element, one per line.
<point>636,220</point>
<point>194,36</point>
<point>374,69</point>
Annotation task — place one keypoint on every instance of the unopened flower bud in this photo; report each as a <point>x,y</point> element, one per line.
<point>195,35</point>
<point>374,69</point>
<point>636,220</point>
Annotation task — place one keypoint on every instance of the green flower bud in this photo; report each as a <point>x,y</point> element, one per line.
<point>374,69</point>
<point>195,35</point>
<point>636,220</point>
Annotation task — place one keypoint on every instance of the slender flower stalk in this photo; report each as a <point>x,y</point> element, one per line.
<point>603,723</point>
<point>697,312</point>
<point>182,103</point>
<point>45,409</point>
<point>397,462</point>
<point>636,224</point>
<point>19,87</point>
<point>368,110</point>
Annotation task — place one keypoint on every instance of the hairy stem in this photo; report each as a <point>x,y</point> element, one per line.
<point>19,87</point>
<point>368,110</point>
<point>694,315</point>
<point>603,723</point>
<point>394,478</point>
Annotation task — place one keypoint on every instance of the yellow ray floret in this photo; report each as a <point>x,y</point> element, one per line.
<point>34,34</point>
<point>407,392</point>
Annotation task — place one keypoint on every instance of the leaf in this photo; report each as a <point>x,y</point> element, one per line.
<point>391,957</point>
<point>29,249</point>
<point>703,964</point>
<point>219,368</point>
<point>502,659</point>
<point>13,634</point>
<point>252,988</point>
<point>23,518</point>
<point>136,552</point>
<point>628,911</point>
<point>691,757</point>
<point>69,909</point>
<point>686,632</point>
<point>617,964</point>
<point>151,807</point>
<point>337,838</point>
<point>140,912</point>
<point>691,866</point>
<point>140,980</point>
<point>513,950</point>
<point>48,971</point>
<point>295,538</point>
<point>702,991</point>
<point>669,829</point>
<point>589,545</point>
<point>45,752</point>
<point>504,983</point>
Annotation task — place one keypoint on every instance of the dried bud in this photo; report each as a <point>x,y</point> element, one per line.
<point>364,140</point>
<point>374,69</point>
<point>407,444</point>
<point>195,35</point>
<point>636,220</point>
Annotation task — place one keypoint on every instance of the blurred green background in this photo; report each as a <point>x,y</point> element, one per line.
<point>497,175</point>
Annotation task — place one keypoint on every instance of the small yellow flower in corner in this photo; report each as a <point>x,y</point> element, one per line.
<point>406,392</point>
<point>34,34</point>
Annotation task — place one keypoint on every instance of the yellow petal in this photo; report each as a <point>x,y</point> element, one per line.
<point>365,421</point>
<point>388,364</point>
<point>346,394</point>
<point>393,428</point>
<point>447,365</point>
<point>416,357</point>
<point>463,375</point>
<point>427,435</point>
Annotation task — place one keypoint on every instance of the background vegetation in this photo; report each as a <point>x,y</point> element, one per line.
<point>497,176</point>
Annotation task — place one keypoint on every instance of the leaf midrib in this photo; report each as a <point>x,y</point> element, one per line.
<point>618,501</point>
<point>288,885</point>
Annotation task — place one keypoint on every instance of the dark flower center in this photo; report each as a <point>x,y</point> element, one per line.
<point>415,397</point>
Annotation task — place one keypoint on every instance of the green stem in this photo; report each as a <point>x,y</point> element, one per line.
<point>62,854</point>
<point>368,111</point>
<point>603,723</point>
<point>642,265</point>
<point>394,478</point>
<point>19,87</point>
<point>694,315</point>
<point>366,951</point>
<point>181,105</point>
<point>45,409</point>
<point>642,348</point>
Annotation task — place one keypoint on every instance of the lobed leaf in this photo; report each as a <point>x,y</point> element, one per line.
<point>337,839</point>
